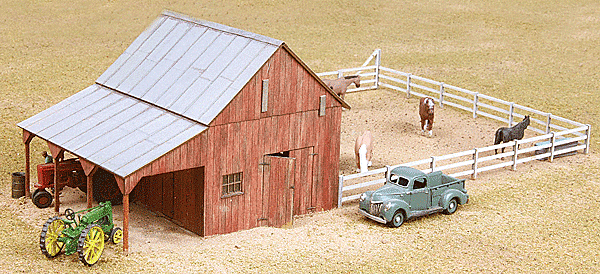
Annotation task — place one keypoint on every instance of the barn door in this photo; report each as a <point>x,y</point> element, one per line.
<point>304,187</point>
<point>278,193</point>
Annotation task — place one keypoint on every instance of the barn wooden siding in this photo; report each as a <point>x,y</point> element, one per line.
<point>240,136</point>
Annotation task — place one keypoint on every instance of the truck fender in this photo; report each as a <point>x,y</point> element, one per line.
<point>451,194</point>
<point>395,206</point>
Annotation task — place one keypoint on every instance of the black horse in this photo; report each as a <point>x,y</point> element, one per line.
<point>507,134</point>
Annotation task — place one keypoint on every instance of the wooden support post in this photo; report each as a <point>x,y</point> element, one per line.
<point>27,172</point>
<point>27,137</point>
<point>90,191</point>
<point>432,164</point>
<point>126,223</point>
<point>89,169</point>
<point>56,187</point>
<point>340,190</point>
<point>474,166</point>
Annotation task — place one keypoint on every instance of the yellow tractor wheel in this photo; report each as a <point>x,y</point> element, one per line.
<point>116,235</point>
<point>51,231</point>
<point>91,244</point>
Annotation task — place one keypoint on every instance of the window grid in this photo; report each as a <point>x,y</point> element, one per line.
<point>232,184</point>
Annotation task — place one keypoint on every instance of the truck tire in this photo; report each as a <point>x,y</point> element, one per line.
<point>397,219</point>
<point>452,206</point>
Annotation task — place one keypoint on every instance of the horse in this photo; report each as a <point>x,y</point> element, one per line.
<point>363,150</point>
<point>340,85</point>
<point>507,134</point>
<point>426,108</point>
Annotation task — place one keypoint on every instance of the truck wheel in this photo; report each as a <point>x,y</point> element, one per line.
<point>51,231</point>
<point>398,219</point>
<point>42,199</point>
<point>452,206</point>
<point>90,244</point>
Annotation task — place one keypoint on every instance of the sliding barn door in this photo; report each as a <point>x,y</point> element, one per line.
<point>278,193</point>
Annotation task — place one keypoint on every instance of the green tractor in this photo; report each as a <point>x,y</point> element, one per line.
<point>85,234</point>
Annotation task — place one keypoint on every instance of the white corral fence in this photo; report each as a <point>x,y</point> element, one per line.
<point>558,135</point>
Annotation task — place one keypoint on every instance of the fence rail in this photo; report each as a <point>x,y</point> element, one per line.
<point>571,132</point>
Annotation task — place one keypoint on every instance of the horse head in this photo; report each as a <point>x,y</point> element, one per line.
<point>526,121</point>
<point>430,106</point>
<point>354,79</point>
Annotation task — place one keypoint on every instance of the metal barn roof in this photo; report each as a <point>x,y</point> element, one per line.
<point>112,130</point>
<point>190,67</point>
<point>171,82</point>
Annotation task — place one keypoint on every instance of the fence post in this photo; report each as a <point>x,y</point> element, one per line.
<point>387,172</point>
<point>548,122</point>
<point>442,94</point>
<point>340,74</point>
<point>341,188</point>
<point>474,166</point>
<point>588,132</point>
<point>516,151</point>
<point>432,164</point>
<point>552,140</point>
<point>475,105</point>
<point>377,70</point>
<point>408,85</point>
<point>511,114</point>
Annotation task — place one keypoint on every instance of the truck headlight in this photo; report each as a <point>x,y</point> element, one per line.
<point>387,206</point>
<point>363,197</point>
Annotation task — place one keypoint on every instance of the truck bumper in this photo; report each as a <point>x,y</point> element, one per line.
<point>372,217</point>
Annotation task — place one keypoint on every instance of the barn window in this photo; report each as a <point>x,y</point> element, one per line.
<point>232,184</point>
<point>265,95</point>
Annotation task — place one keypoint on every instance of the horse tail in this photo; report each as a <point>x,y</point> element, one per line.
<point>498,137</point>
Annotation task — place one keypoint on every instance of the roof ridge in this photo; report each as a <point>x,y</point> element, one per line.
<point>224,28</point>
<point>149,103</point>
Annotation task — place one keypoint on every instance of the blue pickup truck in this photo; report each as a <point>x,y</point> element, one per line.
<point>410,193</point>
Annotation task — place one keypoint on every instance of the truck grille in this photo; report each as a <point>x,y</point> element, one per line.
<point>375,209</point>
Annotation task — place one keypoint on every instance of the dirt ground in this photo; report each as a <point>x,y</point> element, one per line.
<point>487,235</point>
<point>391,117</point>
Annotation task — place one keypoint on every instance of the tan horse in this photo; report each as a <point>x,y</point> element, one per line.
<point>426,107</point>
<point>340,85</point>
<point>363,150</point>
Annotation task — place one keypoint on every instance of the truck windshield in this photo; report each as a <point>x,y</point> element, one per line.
<point>395,179</point>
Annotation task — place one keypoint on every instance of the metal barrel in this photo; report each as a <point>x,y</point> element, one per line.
<point>18,184</point>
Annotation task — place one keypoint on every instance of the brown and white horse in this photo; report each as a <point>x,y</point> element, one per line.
<point>426,108</point>
<point>340,85</point>
<point>363,150</point>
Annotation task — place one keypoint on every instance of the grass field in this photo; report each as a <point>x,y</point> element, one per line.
<point>543,54</point>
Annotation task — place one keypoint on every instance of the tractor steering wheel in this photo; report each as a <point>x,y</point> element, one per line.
<point>70,214</point>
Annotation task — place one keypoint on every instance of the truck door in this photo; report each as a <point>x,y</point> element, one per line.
<point>420,196</point>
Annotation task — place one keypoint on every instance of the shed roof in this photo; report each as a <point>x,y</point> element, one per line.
<point>166,88</point>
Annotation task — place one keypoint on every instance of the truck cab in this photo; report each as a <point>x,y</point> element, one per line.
<point>410,193</point>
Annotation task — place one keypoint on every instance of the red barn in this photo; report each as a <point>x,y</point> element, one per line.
<point>217,128</point>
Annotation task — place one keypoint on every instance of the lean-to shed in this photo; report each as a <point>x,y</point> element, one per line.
<point>217,128</point>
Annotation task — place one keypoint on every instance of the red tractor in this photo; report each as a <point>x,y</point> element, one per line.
<point>71,174</point>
